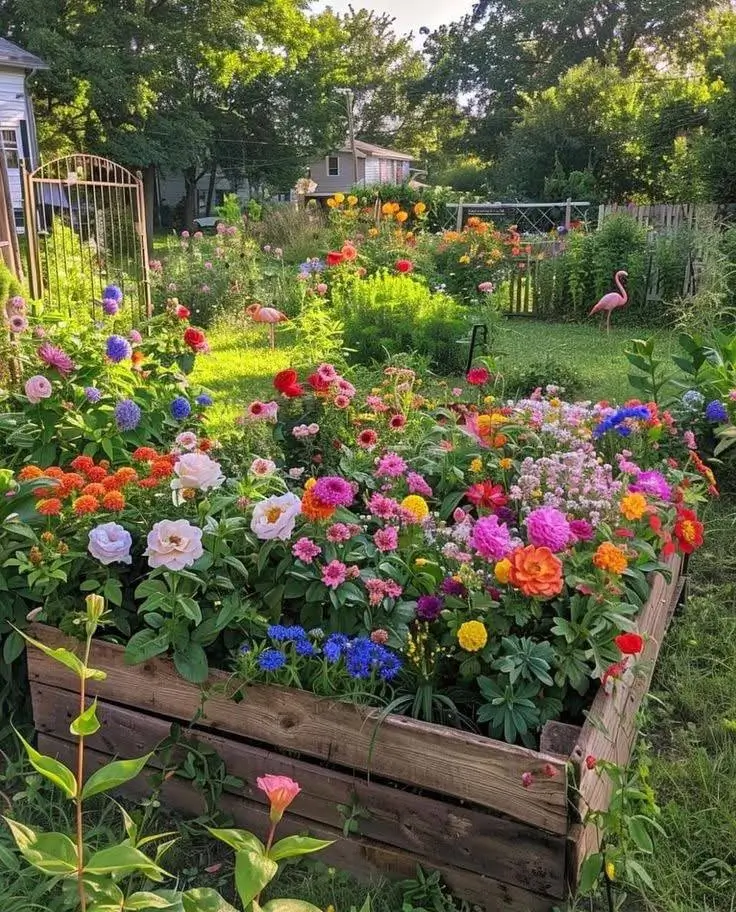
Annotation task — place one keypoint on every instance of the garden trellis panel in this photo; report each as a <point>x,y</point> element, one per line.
<point>86,228</point>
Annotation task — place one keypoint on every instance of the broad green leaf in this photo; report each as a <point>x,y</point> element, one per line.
<point>52,853</point>
<point>640,834</point>
<point>12,647</point>
<point>113,775</point>
<point>65,657</point>
<point>147,901</point>
<point>240,840</point>
<point>289,905</point>
<point>292,846</point>
<point>591,870</point>
<point>87,722</point>
<point>253,871</point>
<point>123,859</point>
<point>51,769</point>
<point>204,899</point>
<point>191,663</point>
<point>146,644</point>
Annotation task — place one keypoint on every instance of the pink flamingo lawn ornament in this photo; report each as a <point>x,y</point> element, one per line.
<point>612,300</point>
<point>268,315</point>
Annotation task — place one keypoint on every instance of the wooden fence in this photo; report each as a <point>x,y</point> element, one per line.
<point>664,217</point>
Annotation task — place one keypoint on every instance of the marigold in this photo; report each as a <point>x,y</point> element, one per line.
<point>420,208</point>
<point>312,507</point>
<point>505,463</point>
<point>113,500</point>
<point>86,504</point>
<point>402,216</point>
<point>502,571</point>
<point>30,472</point>
<point>417,506</point>
<point>95,489</point>
<point>161,468</point>
<point>476,465</point>
<point>96,473</point>
<point>339,198</point>
<point>609,557</point>
<point>472,636</point>
<point>633,506</point>
<point>49,506</point>
<point>352,200</point>
<point>536,572</point>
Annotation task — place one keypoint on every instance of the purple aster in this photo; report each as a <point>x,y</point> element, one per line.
<point>113,293</point>
<point>452,586</point>
<point>491,538</point>
<point>334,491</point>
<point>652,482</point>
<point>429,607</point>
<point>547,527</point>
<point>92,394</point>
<point>127,415</point>
<point>118,349</point>
<point>55,357</point>
<point>110,306</point>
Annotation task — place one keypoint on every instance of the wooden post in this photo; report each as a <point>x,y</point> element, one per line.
<point>568,212</point>
<point>35,282</point>
<point>459,222</point>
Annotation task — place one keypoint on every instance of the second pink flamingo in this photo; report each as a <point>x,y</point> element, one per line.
<point>267,315</point>
<point>614,299</point>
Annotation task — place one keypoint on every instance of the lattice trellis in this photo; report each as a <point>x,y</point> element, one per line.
<point>529,218</point>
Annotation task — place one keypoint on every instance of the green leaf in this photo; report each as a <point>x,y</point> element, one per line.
<point>123,859</point>
<point>12,647</point>
<point>253,871</point>
<point>640,834</point>
<point>191,663</point>
<point>147,901</point>
<point>292,846</point>
<point>52,853</point>
<point>203,899</point>
<point>240,840</point>
<point>113,775</point>
<point>289,905</point>
<point>51,769</point>
<point>8,860</point>
<point>87,722</point>
<point>590,871</point>
<point>65,657</point>
<point>144,645</point>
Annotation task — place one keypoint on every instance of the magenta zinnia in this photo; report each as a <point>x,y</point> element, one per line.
<point>547,527</point>
<point>491,538</point>
<point>334,491</point>
<point>56,357</point>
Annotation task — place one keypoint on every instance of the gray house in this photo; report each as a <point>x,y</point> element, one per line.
<point>335,172</point>
<point>17,126</point>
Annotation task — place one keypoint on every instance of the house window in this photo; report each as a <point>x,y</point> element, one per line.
<point>10,142</point>
<point>333,166</point>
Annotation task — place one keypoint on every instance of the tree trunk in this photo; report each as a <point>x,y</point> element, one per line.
<point>211,187</point>
<point>149,185</point>
<point>190,195</point>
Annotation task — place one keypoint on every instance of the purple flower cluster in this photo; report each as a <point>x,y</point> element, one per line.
<point>118,348</point>
<point>127,415</point>
<point>429,607</point>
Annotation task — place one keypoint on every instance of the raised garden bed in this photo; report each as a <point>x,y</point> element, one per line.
<point>430,795</point>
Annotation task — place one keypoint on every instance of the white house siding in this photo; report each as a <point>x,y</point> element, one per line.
<point>341,183</point>
<point>14,116</point>
<point>173,190</point>
<point>372,171</point>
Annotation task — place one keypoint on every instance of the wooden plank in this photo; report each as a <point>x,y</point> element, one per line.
<point>507,851</point>
<point>439,759</point>
<point>359,856</point>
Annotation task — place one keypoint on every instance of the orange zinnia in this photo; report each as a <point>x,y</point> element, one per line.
<point>536,572</point>
<point>611,558</point>
<point>113,500</point>
<point>312,507</point>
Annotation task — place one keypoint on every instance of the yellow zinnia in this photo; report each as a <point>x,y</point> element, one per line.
<point>633,505</point>
<point>402,216</point>
<point>476,465</point>
<point>417,506</point>
<point>420,208</point>
<point>339,198</point>
<point>505,463</point>
<point>502,570</point>
<point>472,636</point>
<point>352,200</point>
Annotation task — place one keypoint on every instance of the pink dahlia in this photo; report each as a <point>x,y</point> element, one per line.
<point>547,527</point>
<point>334,491</point>
<point>55,357</point>
<point>491,538</point>
<point>334,574</point>
<point>386,539</point>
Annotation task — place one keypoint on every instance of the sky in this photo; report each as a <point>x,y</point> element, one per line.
<point>410,15</point>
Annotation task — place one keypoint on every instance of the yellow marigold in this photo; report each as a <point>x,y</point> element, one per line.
<point>464,259</point>
<point>352,200</point>
<point>417,506</point>
<point>476,465</point>
<point>395,207</point>
<point>373,232</point>
<point>633,505</point>
<point>331,203</point>
<point>609,557</point>
<point>554,402</point>
<point>420,208</point>
<point>483,423</point>
<point>339,198</point>
<point>387,209</point>
<point>502,570</point>
<point>402,216</point>
<point>497,418</point>
<point>472,636</point>
<point>505,463</point>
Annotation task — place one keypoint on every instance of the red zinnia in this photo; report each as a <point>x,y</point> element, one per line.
<point>477,376</point>
<point>287,383</point>
<point>82,463</point>
<point>317,383</point>
<point>688,531</point>
<point>367,439</point>
<point>145,454</point>
<point>404,266</point>
<point>182,312</point>
<point>334,257</point>
<point>194,338</point>
<point>629,643</point>
<point>487,495</point>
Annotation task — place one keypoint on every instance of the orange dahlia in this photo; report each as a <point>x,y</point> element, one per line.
<point>536,572</point>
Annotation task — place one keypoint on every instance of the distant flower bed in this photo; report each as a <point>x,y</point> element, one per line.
<point>475,562</point>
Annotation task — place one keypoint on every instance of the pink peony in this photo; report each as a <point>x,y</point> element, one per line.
<point>547,527</point>
<point>174,544</point>
<point>275,517</point>
<point>187,440</point>
<point>491,538</point>
<point>197,471</point>
<point>37,388</point>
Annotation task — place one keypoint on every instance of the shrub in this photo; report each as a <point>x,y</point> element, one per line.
<point>298,232</point>
<point>522,381</point>
<point>387,314</point>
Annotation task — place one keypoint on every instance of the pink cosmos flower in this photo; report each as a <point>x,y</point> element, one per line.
<point>280,791</point>
<point>55,357</point>
<point>386,539</point>
<point>417,485</point>
<point>334,574</point>
<point>390,465</point>
<point>327,373</point>
<point>306,550</point>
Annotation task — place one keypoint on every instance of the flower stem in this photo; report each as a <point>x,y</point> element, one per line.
<point>80,779</point>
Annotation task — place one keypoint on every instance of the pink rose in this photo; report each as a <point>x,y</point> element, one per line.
<point>197,471</point>
<point>174,544</point>
<point>38,388</point>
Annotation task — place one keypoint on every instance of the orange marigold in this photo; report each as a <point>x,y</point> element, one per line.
<point>113,500</point>
<point>610,557</point>
<point>53,472</point>
<point>29,472</point>
<point>96,473</point>
<point>145,454</point>
<point>50,506</point>
<point>312,507</point>
<point>126,475</point>
<point>161,468</point>
<point>71,481</point>
<point>536,572</point>
<point>82,463</point>
<point>86,504</point>
<point>94,489</point>
<point>633,505</point>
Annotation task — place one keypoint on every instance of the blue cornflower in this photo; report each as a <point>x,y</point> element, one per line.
<point>127,415</point>
<point>364,657</point>
<point>304,648</point>
<point>118,348</point>
<point>244,649</point>
<point>180,408</point>
<point>390,665</point>
<point>716,411</point>
<point>335,646</point>
<point>636,412</point>
<point>204,400</point>
<point>92,394</point>
<point>271,660</point>
<point>283,634</point>
<point>113,293</point>
<point>693,400</point>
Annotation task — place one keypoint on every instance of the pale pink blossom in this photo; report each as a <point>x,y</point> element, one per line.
<point>174,544</point>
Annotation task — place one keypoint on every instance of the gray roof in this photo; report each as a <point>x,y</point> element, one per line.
<point>13,56</point>
<point>374,151</point>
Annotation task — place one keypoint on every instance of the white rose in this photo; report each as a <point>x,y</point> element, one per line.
<point>275,517</point>
<point>197,471</point>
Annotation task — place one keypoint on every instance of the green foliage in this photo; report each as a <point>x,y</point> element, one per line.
<point>650,376</point>
<point>388,314</point>
<point>524,379</point>
<point>230,211</point>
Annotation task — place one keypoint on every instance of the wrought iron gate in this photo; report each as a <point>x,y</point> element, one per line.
<point>86,228</point>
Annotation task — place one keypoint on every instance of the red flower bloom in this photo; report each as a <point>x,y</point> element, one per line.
<point>349,252</point>
<point>367,439</point>
<point>49,506</point>
<point>145,454</point>
<point>590,762</point>
<point>404,266</point>
<point>287,383</point>
<point>487,495</point>
<point>194,338</point>
<point>477,376</point>
<point>317,383</point>
<point>629,643</point>
<point>82,463</point>
<point>182,312</point>
<point>334,257</point>
<point>688,531</point>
